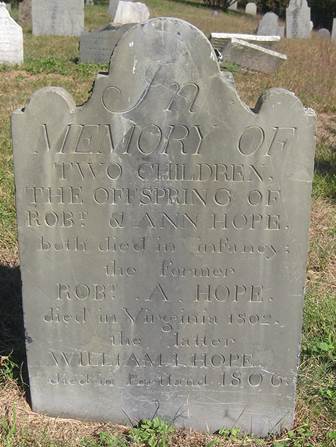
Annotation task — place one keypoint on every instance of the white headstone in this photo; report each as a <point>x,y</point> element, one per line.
<point>333,33</point>
<point>131,12</point>
<point>11,38</point>
<point>251,8</point>
<point>58,17</point>
<point>324,33</point>
<point>311,25</point>
<point>298,20</point>
<point>269,25</point>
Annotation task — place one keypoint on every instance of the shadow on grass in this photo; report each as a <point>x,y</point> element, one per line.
<point>325,167</point>
<point>12,335</point>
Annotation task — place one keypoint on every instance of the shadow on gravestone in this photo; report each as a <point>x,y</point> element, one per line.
<point>163,237</point>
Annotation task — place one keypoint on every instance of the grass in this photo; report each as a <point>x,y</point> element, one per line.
<point>311,73</point>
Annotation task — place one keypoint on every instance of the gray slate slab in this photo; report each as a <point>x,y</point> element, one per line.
<point>163,239</point>
<point>96,47</point>
<point>59,18</point>
<point>251,56</point>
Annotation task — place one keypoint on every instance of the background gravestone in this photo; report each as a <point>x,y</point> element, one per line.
<point>251,8</point>
<point>113,6</point>
<point>96,47</point>
<point>333,33</point>
<point>324,33</point>
<point>163,239</point>
<point>131,12</point>
<point>25,11</point>
<point>298,20</point>
<point>269,25</point>
<point>11,38</point>
<point>59,18</point>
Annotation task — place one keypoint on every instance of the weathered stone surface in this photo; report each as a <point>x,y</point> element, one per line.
<point>96,47</point>
<point>333,33</point>
<point>324,33</point>
<point>220,40</point>
<point>251,8</point>
<point>25,11</point>
<point>251,56</point>
<point>11,38</point>
<point>298,20</point>
<point>163,239</point>
<point>131,12</point>
<point>59,18</point>
<point>269,25</point>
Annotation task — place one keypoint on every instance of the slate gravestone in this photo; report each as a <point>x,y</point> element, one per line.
<point>96,47</point>
<point>298,20</point>
<point>11,38</point>
<point>251,8</point>
<point>269,25</point>
<point>58,18</point>
<point>25,11</point>
<point>163,239</point>
<point>333,33</point>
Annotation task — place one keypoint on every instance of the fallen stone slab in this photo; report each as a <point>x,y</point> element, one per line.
<point>251,56</point>
<point>220,40</point>
<point>96,47</point>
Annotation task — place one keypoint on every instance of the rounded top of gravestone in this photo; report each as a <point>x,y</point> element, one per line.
<point>271,16</point>
<point>324,33</point>
<point>149,64</point>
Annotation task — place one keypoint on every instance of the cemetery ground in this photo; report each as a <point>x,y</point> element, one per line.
<point>311,73</point>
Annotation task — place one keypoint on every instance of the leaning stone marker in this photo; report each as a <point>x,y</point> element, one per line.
<point>163,238</point>
<point>11,38</point>
<point>251,56</point>
<point>298,23</point>
<point>59,18</point>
